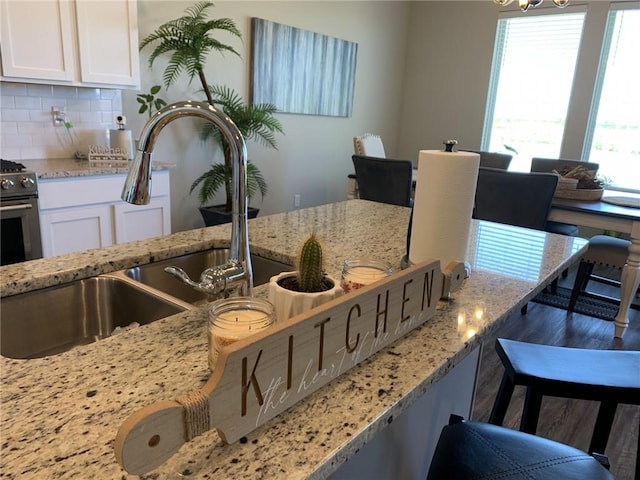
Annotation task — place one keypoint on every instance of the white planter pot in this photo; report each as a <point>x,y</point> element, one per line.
<point>289,303</point>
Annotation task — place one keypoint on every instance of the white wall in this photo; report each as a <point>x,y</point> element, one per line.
<point>314,155</point>
<point>450,47</point>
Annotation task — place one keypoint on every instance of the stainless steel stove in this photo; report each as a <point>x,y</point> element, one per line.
<point>19,218</point>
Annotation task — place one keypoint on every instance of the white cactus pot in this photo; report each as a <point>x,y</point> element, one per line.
<point>289,303</point>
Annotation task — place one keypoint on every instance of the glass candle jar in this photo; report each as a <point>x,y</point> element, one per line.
<point>232,319</point>
<point>359,272</point>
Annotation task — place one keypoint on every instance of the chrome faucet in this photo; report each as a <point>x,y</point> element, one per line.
<point>237,272</point>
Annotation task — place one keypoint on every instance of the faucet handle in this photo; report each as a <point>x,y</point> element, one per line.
<point>213,280</point>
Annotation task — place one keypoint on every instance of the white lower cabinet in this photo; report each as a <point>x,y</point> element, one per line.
<point>82,213</point>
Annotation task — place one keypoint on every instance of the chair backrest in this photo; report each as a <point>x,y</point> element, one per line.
<point>369,145</point>
<point>550,164</point>
<point>515,198</point>
<point>493,159</point>
<point>384,180</point>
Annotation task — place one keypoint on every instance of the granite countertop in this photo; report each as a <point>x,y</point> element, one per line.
<point>71,167</point>
<point>61,413</point>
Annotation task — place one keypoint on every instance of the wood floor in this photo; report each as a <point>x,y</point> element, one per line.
<point>567,421</point>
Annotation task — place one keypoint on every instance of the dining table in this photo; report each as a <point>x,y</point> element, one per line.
<point>615,211</point>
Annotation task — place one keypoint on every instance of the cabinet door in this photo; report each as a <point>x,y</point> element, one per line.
<point>37,39</point>
<point>74,229</point>
<point>137,222</point>
<point>108,42</point>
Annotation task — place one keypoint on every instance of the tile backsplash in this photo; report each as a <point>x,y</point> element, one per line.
<point>26,123</point>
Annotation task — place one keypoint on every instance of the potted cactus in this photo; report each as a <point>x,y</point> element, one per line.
<point>309,286</point>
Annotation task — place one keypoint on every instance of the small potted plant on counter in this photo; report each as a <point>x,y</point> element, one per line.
<point>189,41</point>
<point>309,286</point>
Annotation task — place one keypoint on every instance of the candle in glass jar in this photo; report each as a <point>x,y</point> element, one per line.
<point>236,318</point>
<point>358,273</point>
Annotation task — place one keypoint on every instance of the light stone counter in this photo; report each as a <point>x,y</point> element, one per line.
<point>60,414</point>
<point>71,167</point>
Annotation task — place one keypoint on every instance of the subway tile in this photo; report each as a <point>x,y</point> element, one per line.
<point>7,101</point>
<point>43,152</point>
<point>58,102</point>
<point>33,128</point>
<point>16,140</point>
<point>89,93</point>
<point>91,117</point>
<point>100,105</point>
<point>12,88</point>
<point>78,105</point>
<point>8,127</point>
<point>15,115</point>
<point>32,103</point>
<point>42,116</point>
<point>64,91</point>
<point>10,153</point>
<point>45,140</point>
<point>34,90</point>
<point>110,94</point>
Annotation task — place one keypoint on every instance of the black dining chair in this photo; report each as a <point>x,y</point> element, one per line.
<point>547,165</point>
<point>515,198</point>
<point>539,164</point>
<point>384,180</point>
<point>493,159</point>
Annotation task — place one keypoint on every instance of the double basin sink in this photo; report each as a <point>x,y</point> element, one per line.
<point>55,319</point>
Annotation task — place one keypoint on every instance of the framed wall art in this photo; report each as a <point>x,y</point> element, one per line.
<point>300,71</point>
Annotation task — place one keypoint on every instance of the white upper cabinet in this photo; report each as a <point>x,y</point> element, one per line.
<point>91,43</point>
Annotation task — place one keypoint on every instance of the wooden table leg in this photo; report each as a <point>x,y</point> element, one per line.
<point>630,281</point>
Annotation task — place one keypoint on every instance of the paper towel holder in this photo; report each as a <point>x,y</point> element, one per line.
<point>449,144</point>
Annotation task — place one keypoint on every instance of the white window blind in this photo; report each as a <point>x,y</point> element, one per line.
<point>613,131</point>
<point>531,79</point>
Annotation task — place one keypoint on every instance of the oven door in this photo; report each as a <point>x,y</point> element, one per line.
<point>20,231</point>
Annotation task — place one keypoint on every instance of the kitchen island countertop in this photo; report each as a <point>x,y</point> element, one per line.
<point>60,414</point>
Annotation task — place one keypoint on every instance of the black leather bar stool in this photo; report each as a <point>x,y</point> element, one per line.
<point>473,450</point>
<point>607,376</point>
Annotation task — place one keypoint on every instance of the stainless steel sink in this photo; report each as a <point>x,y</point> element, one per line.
<point>153,274</point>
<point>53,320</point>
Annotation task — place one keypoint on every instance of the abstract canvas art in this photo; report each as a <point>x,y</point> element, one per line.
<point>301,71</point>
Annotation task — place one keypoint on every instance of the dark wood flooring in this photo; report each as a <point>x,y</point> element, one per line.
<point>567,421</point>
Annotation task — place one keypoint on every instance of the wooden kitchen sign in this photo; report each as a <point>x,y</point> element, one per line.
<point>257,378</point>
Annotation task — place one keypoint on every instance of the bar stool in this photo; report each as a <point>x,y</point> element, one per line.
<point>603,250</point>
<point>607,376</point>
<point>467,450</point>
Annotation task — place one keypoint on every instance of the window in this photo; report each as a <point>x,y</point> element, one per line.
<point>531,78</point>
<point>613,131</point>
<point>534,61</point>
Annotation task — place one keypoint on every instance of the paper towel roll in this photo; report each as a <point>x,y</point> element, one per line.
<point>443,206</point>
<point>122,139</point>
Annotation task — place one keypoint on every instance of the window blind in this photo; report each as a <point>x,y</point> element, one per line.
<point>531,80</point>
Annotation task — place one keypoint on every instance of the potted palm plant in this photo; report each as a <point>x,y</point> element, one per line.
<point>292,293</point>
<point>189,39</point>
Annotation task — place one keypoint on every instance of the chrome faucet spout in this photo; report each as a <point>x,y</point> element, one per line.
<point>137,186</point>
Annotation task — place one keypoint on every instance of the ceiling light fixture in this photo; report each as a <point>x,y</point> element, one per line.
<point>525,4</point>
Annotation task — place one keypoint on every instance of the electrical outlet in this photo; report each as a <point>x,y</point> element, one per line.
<point>59,116</point>
<point>296,200</point>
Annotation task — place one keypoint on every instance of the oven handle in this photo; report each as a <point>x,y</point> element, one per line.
<point>21,206</point>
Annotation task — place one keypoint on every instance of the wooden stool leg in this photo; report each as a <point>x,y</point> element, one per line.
<point>637,477</point>
<point>531,411</point>
<point>601,431</point>
<point>580,284</point>
<point>501,404</point>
